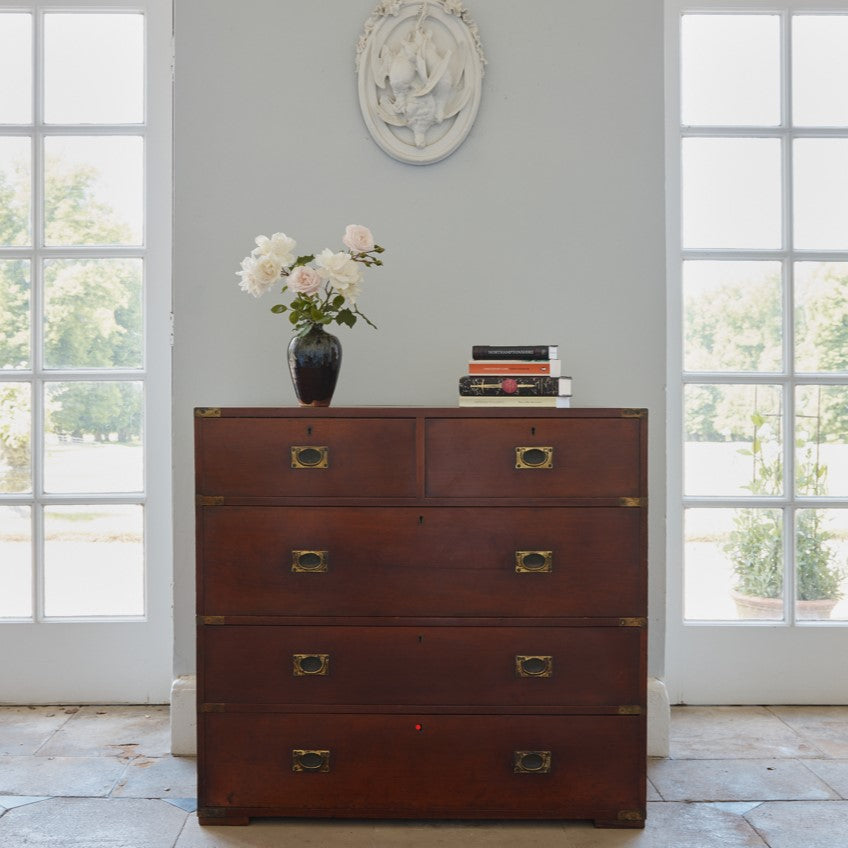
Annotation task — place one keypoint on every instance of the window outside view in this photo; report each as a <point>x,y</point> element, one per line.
<point>72,276</point>
<point>764,274</point>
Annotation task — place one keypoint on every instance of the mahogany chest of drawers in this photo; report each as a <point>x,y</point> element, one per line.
<point>421,613</point>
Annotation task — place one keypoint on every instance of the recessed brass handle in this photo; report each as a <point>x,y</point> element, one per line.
<point>534,456</point>
<point>532,562</point>
<point>310,456</point>
<point>534,665</point>
<point>304,760</point>
<point>531,762</point>
<point>310,561</point>
<point>310,665</point>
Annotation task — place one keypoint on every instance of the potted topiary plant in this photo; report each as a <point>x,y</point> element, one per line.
<point>755,545</point>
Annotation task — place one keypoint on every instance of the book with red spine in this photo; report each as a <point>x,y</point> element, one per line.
<point>505,367</point>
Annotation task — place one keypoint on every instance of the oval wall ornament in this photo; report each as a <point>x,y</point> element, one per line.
<point>420,67</point>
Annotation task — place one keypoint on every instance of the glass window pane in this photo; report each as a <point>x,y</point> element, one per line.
<point>731,193</point>
<point>820,70</point>
<point>92,313</point>
<point>730,70</point>
<point>93,560</point>
<point>14,314</point>
<point>732,313</point>
<point>15,192</point>
<point>93,437</point>
<point>93,190</point>
<point>15,562</point>
<point>821,551</point>
<point>821,316</point>
<point>15,438</point>
<point>93,68</point>
<point>821,441</point>
<point>15,68</point>
<point>821,193</point>
<point>733,564</point>
<point>733,440</point>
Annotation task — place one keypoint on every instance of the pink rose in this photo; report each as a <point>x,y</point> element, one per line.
<point>358,239</point>
<point>304,280</point>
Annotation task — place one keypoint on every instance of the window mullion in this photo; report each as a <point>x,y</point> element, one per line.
<point>789,565</point>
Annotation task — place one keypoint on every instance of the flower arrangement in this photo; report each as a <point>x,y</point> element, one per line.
<point>325,286</point>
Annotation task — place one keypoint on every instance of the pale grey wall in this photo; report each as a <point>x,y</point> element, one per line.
<point>545,226</point>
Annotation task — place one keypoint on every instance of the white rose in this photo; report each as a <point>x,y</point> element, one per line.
<point>279,247</point>
<point>358,239</point>
<point>343,274</point>
<point>258,274</point>
<point>304,280</point>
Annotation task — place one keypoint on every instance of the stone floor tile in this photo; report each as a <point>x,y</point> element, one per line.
<point>9,802</point>
<point>737,780</point>
<point>23,730</point>
<point>726,733</point>
<point>833,772</point>
<point>127,732</point>
<point>824,727</point>
<point>652,793</point>
<point>277,833</point>
<point>187,804</point>
<point>669,825</point>
<point>499,834</point>
<point>801,824</point>
<point>63,776</point>
<point>158,777</point>
<point>93,823</point>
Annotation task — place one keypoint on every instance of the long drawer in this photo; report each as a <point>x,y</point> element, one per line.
<point>464,561</point>
<point>527,666</point>
<point>533,458</point>
<point>424,765</point>
<point>283,457</point>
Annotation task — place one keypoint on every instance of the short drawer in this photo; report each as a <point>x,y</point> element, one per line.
<point>527,458</point>
<point>410,766</point>
<point>315,457</point>
<point>427,666</point>
<point>433,561</point>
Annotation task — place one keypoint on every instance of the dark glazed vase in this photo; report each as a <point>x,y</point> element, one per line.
<point>314,362</point>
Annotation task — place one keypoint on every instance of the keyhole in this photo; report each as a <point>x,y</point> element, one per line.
<point>532,431</point>
<point>420,640</point>
<point>309,431</point>
<point>420,519</point>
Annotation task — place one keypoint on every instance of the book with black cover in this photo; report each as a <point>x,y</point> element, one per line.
<point>515,352</point>
<point>518,385</point>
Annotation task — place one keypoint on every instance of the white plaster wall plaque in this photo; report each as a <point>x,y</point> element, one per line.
<point>420,67</point>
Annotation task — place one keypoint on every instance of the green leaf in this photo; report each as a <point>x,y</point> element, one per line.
<point>346,317</point>
<point>303,260</point>
<point>279,308</point>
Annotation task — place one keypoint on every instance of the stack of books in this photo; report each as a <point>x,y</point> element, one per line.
<point>500,375</point>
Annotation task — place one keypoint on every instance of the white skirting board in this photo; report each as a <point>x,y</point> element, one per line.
<point>184,719</point>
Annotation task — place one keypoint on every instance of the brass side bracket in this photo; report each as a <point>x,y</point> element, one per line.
<point>207,412</point>
<point>209,500</point>
<point>633,622</point>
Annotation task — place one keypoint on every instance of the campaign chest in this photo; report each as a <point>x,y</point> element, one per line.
<point>421,613</point>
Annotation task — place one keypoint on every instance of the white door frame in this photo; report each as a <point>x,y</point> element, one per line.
<point>722,662</point>
<point>114,660</point>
